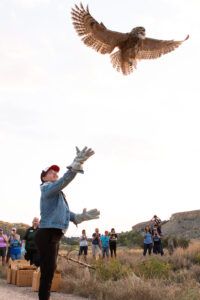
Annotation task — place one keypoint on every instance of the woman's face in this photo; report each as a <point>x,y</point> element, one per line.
<point>13,231</point>
<point>51,176</point>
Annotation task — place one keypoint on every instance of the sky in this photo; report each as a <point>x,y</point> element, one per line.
<point>56,93</point>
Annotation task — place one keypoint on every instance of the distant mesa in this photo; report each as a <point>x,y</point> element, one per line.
<point>183,225</point>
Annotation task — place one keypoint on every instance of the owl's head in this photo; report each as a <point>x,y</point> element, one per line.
<point>139,32</point>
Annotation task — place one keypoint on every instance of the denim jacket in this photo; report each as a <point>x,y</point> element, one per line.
<point>54,209</point>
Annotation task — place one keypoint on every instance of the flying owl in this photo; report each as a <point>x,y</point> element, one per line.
<point>132,46</point>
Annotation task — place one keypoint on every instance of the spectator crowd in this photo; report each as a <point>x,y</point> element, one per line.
<point>102,245</point>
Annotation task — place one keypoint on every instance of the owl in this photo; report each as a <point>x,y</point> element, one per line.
<point>131,47</point>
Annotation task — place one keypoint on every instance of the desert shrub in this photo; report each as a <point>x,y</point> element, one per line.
<point>153,268</point>
<point>191,293</point>
<point>196,258</point>
<point>129,257</point>
<point>195,272</point>
<point>181,276</point>
<point>68,285</point>
<point>177,242</point>
<point>124,289</point>
<point>179,260</point>
<point>74,241</point>
<point>128,289</point>
<point>130,239</point>
<point>111,270</point>
<point>185,258</point>
<point>183,243</point>
<point>70,269</point>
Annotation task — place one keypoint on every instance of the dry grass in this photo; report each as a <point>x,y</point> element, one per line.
<point>132,276</point>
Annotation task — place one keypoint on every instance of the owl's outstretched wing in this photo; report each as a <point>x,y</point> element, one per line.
<point>152,48</point>
<point>94,34</point>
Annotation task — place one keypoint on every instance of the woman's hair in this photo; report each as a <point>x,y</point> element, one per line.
<point>147,228</point>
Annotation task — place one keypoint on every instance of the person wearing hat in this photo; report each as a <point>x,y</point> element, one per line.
<point>56,215</point>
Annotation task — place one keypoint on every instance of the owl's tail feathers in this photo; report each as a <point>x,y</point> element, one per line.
<point>121,65</point>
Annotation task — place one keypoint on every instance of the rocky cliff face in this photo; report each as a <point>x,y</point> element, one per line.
<point>183,224</point>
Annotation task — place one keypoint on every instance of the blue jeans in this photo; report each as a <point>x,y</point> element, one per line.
<point>105,251</point>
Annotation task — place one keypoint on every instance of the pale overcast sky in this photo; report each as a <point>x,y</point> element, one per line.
<point>56,93</point>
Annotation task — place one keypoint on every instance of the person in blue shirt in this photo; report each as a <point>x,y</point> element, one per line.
<point>56,215</point>
<point>148,242</point>
<point>105,244</point>
<point>15,244</point>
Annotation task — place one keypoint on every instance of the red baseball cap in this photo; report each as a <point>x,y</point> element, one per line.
<point>44,172</point>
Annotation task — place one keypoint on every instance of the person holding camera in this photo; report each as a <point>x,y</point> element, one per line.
<point>157,242</point>
<point>83,245</point>
<point>3,245</point>
<point>148,242</point>
<point>96,244</point>
<point>15,244</point>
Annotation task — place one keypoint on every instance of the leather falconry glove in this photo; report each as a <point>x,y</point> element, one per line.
<point>86,215</point>
<point>81,157</point>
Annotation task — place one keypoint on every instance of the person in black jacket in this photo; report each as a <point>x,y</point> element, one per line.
<point>113,242</point>
<point>30,246</point>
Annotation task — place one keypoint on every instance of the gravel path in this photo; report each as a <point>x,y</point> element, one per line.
<point>10,291</point>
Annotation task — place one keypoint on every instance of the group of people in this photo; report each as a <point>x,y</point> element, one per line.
<point>153,237</point>
<point>10,245</point>
<point>101,244</point>
<point>55,216</point>
<point>14,247</point>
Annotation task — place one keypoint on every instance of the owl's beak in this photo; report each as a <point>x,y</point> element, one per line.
<point>142,35</point>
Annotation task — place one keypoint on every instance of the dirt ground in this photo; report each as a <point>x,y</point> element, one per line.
<point>10,291</point>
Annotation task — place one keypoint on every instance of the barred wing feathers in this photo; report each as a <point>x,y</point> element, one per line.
<point>94,34</point>
<point>153,48</point>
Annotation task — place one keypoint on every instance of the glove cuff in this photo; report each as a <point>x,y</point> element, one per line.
<point>76,166</point>
<point>78,219</point>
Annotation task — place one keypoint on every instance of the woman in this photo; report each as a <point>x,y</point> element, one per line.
<point>56,215</point>
<point>15,245</point>
<point>148,242</point>
<point>83,242</point>
<point>3,244</point>
<point>113,243</point>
